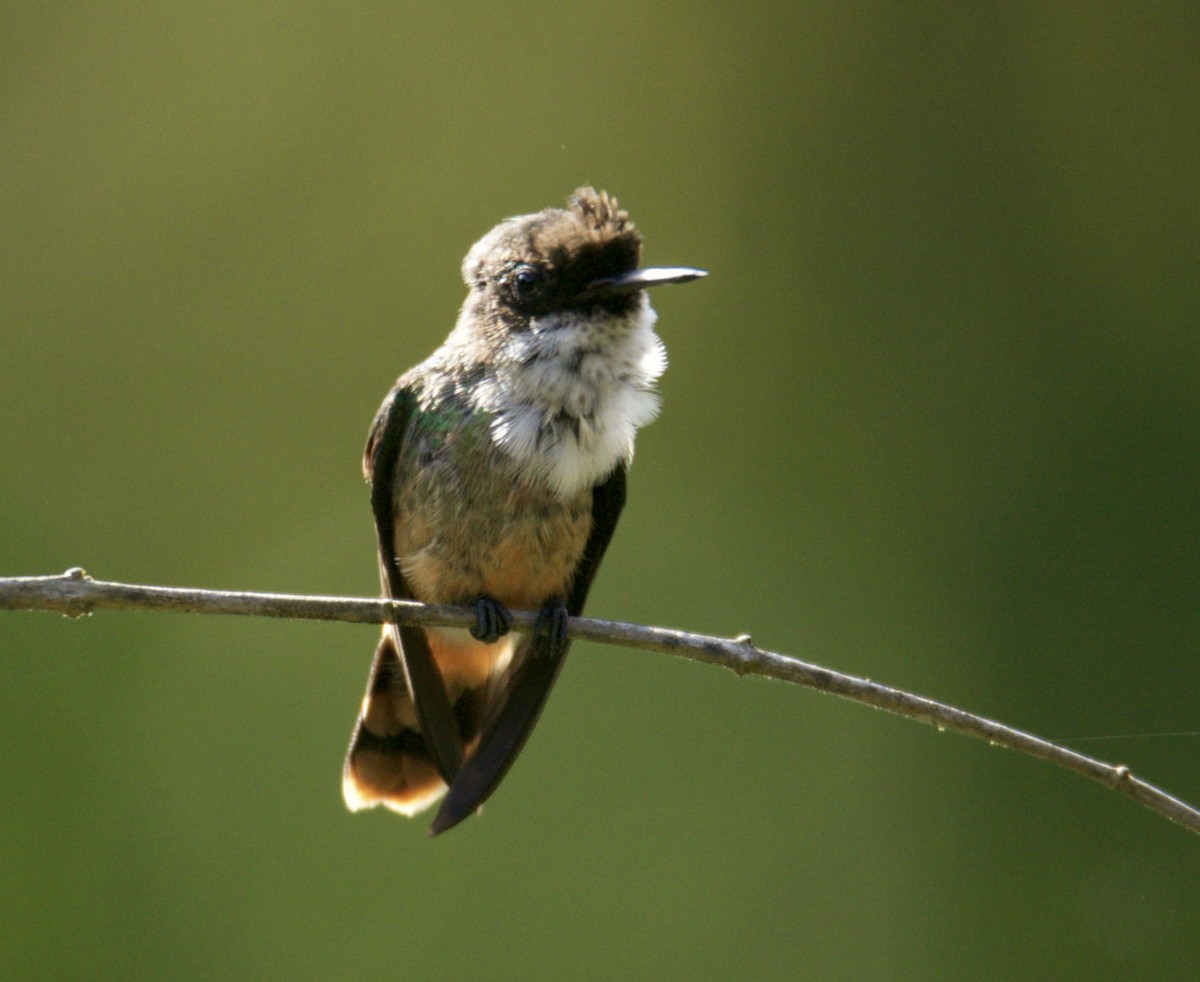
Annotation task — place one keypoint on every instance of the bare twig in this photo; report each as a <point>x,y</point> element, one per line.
<point>74,593</point>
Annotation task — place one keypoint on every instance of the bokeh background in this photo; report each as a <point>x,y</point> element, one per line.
<point>934,418</point>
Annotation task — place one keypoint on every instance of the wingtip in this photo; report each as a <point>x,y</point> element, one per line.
<point>446,819</point>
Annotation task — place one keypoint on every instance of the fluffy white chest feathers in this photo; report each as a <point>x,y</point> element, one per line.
<point>568,395</point>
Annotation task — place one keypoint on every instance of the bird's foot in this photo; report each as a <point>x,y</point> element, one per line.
<point>550,628</point>
<point>492,620</point>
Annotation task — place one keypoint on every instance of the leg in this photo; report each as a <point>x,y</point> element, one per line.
<point>492,620</point>
<point>550,629</point>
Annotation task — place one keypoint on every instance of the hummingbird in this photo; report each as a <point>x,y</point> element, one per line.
<point>497,473</point>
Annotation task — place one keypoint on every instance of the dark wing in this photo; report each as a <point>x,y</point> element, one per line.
<point>385,446</point>
<point>506,731</point>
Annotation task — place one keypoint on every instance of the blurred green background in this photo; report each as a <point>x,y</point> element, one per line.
<point>934,418</point>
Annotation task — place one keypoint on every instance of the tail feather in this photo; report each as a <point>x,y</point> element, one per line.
<point>388,762</point>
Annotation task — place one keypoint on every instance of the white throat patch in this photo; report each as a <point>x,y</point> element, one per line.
<point>568,395</point>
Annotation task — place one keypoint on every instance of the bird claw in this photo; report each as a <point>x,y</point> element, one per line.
<point>550,628</point>
<point>492,620</point>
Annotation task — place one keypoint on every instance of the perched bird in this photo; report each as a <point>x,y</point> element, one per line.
<point>497,470</point>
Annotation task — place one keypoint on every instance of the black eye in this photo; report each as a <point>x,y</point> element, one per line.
<point>526,283</point>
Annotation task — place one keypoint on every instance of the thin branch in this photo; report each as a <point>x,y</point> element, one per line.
<point>74,593</point>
